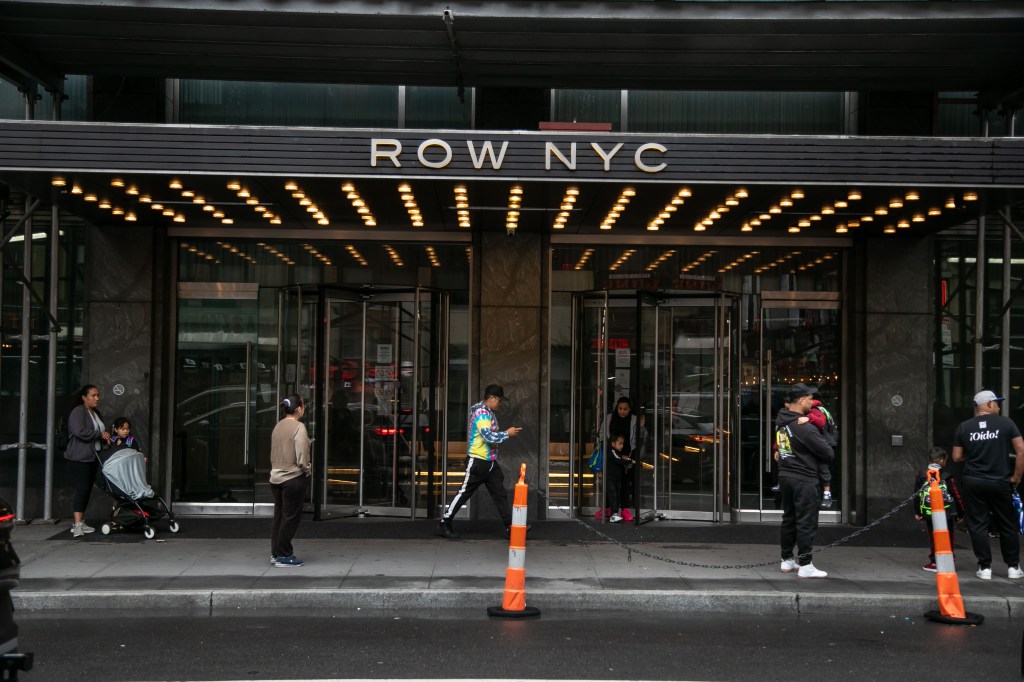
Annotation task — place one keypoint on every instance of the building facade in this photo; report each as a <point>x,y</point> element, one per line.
<point>387,211</point>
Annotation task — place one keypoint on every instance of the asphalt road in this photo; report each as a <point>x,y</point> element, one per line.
<point>563,646</point>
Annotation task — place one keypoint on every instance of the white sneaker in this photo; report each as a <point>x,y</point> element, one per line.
<point>615,518</point>
<point>77,530</point>
<point>1015,573</point>
<point>985,573</point>
<point>809,571</point>
<point>789,565</point>
<point>86,528</point>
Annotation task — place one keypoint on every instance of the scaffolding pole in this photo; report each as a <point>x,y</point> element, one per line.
<point>979,301</point>
<point>1004,346</point>
<point>26,348</point>
<point>51,359</point>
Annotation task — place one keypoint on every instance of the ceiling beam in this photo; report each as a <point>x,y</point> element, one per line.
<point>25,70</point>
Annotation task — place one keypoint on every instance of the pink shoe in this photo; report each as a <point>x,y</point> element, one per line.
<point>601,512</point>
<point>626,515</point>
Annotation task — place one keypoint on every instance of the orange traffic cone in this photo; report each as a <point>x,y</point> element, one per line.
<point>951,604</point>
<point>513,603</point>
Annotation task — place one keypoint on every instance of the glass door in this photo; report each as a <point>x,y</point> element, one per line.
<point>674,355</point>
<point>384,369</point>
<point>221,394</point>
<point>691,426</point>
<point>795,339</point>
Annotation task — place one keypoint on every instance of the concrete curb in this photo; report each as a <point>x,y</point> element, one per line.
<point>259,602</point>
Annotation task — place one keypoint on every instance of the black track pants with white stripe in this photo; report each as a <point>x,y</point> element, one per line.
<point>481,472</point>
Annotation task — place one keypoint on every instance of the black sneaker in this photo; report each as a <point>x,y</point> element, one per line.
<point>445,531</point>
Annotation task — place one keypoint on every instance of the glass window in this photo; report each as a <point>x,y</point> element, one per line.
<point>74,108</point>
<point>589,106</point>
<point>782,113</point>
<point>430,107</point>
<point>288,104</point>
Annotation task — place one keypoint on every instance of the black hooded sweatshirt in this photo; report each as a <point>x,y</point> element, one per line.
<point>802,447</point>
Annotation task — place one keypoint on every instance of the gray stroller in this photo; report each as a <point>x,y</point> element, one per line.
<point>123,476</point>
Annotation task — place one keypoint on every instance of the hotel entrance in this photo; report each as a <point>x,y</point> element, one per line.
<point>706,353</point>
<point>675,355</point>
<point>371,363</point>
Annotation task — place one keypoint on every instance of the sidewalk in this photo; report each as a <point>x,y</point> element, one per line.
<point>371,569</point>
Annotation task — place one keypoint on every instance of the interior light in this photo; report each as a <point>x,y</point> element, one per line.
<point>289,187</point>
<point>348,187</point>
<point>896,203</point>
<point>786,202</point>
<point>130,217</point>
<point>970,196</point>
<point>854,195</point>
<point>234,186</point>
<point>889,229</point>
<point>797,194</point>
<point>950,202</point>
<point>841,229</point>
<point>881,211</point>
<point>793,229</point>
<point>841,204</point>
<point>90,197</point>
<point>934,211</point>
<point>117,182</point>
<point>175,184</point>
<point>828,210</point>
<point>913,196</point>
<point>918,218</point>
<point>75,189</point>
<point>685,192</point>
<point>58,182</point>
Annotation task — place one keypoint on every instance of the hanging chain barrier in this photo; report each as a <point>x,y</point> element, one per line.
<point>630,550</point>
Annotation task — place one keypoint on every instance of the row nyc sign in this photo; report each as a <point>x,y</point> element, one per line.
<point>437,153</point>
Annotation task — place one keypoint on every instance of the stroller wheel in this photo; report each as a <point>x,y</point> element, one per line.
<point>149,532</point>
<point>105,529</point>
<point>173,527</point>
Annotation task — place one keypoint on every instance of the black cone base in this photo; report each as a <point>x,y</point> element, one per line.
<point>968,619</point>
<point>527,612</point>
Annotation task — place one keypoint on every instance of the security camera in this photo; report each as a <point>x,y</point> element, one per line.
<point>510,231</point>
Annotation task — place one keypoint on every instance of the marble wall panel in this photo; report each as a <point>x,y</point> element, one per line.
<point>899,378</point>
<point>510,349</point>
<point>120,264</point>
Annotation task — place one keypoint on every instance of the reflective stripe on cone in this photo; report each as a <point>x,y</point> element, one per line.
<point>951,604</point>
<point>513,602</point>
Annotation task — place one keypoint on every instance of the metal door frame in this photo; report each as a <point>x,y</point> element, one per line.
<point>364,297</point>
<point>776,300</point>
<point>723,305</point>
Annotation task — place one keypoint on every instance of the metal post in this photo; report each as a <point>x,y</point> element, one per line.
<point>51,365</point>
<point>26,348</point>
<point>979,300</point>
<point>51,360</point>
<point>1004,345</point>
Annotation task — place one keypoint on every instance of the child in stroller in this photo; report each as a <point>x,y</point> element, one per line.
<point>123,474</point>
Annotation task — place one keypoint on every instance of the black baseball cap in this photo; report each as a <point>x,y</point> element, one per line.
<point>494,390</point>
<point>799,390</point>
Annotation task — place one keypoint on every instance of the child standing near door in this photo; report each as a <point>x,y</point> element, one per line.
<point>617,466</point>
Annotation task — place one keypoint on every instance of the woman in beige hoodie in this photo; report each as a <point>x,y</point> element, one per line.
<point>290,470</point>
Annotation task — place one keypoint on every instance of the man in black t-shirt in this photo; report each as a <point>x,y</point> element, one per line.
<point>984,444</point>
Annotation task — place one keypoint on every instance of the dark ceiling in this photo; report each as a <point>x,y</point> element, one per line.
<point>936,45</point>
